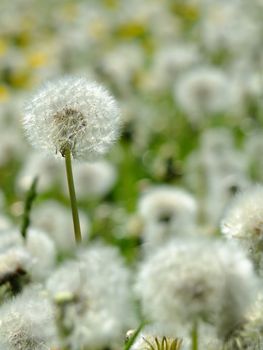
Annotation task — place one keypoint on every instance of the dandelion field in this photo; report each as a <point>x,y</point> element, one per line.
<point>156,108</point>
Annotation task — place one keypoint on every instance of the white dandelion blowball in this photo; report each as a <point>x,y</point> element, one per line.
<point>243,222</point>
<point>72,113</point>
<point>195,279</point>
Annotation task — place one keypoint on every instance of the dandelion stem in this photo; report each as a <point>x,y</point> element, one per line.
<point>72,194</point>
<point>194,336</point>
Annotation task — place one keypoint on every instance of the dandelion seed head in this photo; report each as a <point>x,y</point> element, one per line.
<point>203,91</point>
<point>170,61</point>
<point>97,285</point>
<point>27,322</point>
<point>196,279</point>
<point>166,212</point>
<point>14,262</point>
<point>9,238</point>
<point>42,249</point>
<point>166,203</point>
<point>46,168</point>
<point>72,113</point>
<point>249,334</point>
<point>243,221</point>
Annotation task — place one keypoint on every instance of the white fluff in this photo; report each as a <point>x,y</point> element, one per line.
<point>42,250</point>
<point>47,169</point>
<point>101,310</point>
<point>93,180</point>
<point>243,221</point>
<point>197,279</point>
<point>26,322</point>
<point>166,212</point>
<point>203,91</point>
<point>55,220</point>
<point>72,113</point>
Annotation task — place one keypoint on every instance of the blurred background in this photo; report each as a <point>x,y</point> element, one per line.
<point>188,77</point>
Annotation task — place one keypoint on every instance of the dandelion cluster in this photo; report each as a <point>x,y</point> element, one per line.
<point>145,118</point>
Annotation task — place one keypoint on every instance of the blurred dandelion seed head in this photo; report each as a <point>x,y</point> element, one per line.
<point>196,279</point>
<point>243,221</point>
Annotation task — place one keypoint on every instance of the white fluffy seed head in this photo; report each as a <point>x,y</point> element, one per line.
<point>36,256</point>
<point>42,250</point>
<point>9,238</point>
<point>72,113</point>
<point>162,202</point>
<point>203,91</point>
<point>166,212</point>
<point>46,168</point>
<point>243,221</point>
<point>98,286</point>
<point>197,279</point>
<point>249,335</point>
<point>27,322</point>
<point>14,262</point>
<point>170,61</point>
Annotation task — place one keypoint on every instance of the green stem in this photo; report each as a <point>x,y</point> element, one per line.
<point>72,194</point>
<point>194,335</point>
<point>30,197</point>
<point>131,341</point>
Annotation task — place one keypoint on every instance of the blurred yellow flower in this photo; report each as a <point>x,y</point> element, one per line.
<point>37,59</point>
<point>19,79</point>
<point>23,39</point>
<point>131,30</point>
<point>112,4</point>
<point>4,93</point>
<point>3,47</point>
<point>185,11</point>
